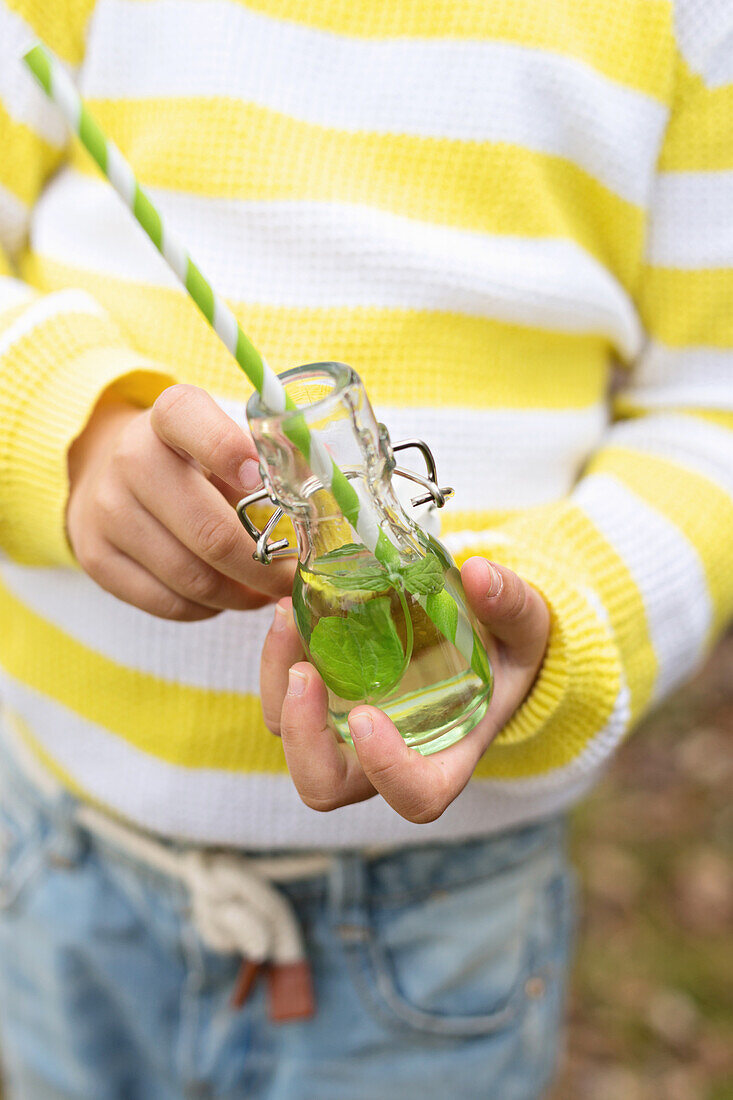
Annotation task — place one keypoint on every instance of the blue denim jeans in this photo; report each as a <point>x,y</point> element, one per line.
<point>438,971</point>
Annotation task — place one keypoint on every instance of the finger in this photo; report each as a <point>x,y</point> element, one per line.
<point>187,419</point>
<point>511,609</point>
<point>282,649</point>
<point>131,582</point>
<point>196,513</point>
<point>230,493</point>
<point>143,538</point>
<point>326,772</point>
<point>418,787</point>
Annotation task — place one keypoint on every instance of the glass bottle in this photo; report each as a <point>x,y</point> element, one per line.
<point>387,624</point>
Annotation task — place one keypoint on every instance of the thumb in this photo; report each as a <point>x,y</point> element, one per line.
<point>510,608</point>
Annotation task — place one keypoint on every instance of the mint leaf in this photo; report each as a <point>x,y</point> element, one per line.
<point>372,579</point>
<point>345,551</point>
<point>423,577</point>
<point>300,610</point>
<point>360,655</point>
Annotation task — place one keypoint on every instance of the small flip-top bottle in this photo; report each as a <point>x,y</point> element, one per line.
<point>378,602</point>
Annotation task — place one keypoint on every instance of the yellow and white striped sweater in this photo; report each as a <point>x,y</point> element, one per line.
<point>485,208</point>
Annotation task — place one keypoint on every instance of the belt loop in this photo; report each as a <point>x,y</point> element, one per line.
<point>348,894</point>
<point>66,843</point>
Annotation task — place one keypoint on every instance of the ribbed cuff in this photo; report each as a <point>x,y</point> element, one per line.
<point>51,389</point>
<point>580,679</point>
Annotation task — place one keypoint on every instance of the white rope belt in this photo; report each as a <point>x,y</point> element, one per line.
<point>234,905</point>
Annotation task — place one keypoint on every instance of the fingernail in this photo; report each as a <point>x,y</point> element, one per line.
<point>281,619</point>
<point>496,581</point>
<point>361,725</point>
<point>296,682</point>
<point>249,475</point>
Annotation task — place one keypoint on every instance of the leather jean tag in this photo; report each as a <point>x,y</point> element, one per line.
<point>290,992</point>
<point>246,976</point>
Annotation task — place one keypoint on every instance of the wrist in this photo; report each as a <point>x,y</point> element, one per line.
<point>110,416</point>
<point>119,402</point>
<point>86,455</point>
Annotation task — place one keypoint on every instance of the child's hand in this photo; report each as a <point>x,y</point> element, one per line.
<point>329,774</point>
<point>150,514</point>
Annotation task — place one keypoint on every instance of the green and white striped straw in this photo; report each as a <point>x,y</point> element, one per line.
<point>58,86</point>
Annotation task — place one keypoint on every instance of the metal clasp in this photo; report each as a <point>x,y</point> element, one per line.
<point>434,493</point>
<point>265,550</point>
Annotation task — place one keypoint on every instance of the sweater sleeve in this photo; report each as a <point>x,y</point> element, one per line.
<point>59,351</point>
<point>636,563</point>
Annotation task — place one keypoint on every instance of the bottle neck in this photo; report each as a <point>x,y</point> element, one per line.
<point>334,424</point>
<point>321,528</point>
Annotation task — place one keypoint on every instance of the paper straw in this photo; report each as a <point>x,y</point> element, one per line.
<point>58,86</point>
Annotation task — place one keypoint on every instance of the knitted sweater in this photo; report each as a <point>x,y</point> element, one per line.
<point>513,219</point>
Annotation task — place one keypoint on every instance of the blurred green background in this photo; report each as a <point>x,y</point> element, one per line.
<point>651,1004</point>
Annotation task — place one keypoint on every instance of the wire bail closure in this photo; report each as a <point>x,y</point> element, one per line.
<point>265,550</point>
<point>430,483</point>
